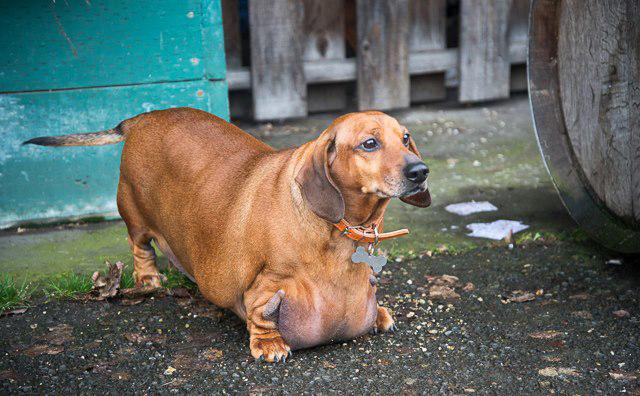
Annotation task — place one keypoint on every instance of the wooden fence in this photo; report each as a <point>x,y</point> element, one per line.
<point>305,55</point>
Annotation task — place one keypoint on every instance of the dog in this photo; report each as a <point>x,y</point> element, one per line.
<point>267,234</point>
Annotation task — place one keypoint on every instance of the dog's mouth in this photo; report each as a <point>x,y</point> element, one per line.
<point>415,190</point>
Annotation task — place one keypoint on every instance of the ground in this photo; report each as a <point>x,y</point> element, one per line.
<point>577,333</point>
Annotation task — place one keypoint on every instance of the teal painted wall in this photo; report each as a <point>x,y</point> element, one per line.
<point>78,66</point>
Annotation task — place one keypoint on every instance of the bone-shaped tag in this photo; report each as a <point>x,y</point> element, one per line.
<point>375,262</point>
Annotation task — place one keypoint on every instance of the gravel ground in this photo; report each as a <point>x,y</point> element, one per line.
<point>572,338</point>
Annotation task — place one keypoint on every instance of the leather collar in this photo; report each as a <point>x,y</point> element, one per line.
<point>367,234</point>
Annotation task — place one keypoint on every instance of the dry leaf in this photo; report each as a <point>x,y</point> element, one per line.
<point>622,376</point>
<point>557,371</point>
<point>519,296</point>
<point>621,313</point>
<point>170,370</point>
<point>59,334</point>
<point>582,314</point>
<point>41,349</point>
<point>108,285</point>
<point>442,293</point>
<point>579,296</point>
<point>468,287</point>
<point>18,311</point>
<point>545,335</point>
<point>131,301</point>
<point>212,354</point>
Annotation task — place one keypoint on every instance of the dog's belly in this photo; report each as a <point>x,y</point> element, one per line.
<point>302,326</point>
<point>166,250</point>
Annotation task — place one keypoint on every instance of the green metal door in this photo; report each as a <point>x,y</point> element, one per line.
<point>79,66</point>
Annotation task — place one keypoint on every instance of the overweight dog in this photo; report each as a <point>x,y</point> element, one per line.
<point>267,234</point>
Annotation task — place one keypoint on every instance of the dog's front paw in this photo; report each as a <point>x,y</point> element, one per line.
<point>384,321</point>
<point>270,347</point>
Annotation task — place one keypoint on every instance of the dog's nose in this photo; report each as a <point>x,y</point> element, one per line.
<point>416,172</point>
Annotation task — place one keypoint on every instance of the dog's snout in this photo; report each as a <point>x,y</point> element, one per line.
<point>416,172</point>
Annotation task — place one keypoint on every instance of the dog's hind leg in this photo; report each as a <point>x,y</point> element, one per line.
<point>145,271</point>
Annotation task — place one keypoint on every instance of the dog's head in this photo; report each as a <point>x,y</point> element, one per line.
<point>363,153</point>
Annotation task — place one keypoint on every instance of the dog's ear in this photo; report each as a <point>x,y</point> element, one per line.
<point>421,199</point>
<point>318,189</point>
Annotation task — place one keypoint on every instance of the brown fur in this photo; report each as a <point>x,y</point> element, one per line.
<point>252,226</point>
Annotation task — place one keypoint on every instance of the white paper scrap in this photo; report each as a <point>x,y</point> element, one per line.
<point>497,230</point>
<point>467,208</point>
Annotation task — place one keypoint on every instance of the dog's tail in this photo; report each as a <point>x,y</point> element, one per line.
<point>110,136</point>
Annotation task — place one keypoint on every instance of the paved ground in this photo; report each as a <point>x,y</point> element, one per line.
<point>567,340</point>
<point>580,333</point>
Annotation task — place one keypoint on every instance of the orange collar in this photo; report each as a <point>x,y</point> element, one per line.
<point>367,234</point>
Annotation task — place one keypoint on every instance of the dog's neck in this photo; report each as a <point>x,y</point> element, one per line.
<point>363,209</point>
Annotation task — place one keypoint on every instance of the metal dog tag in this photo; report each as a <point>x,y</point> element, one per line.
<point>375,262</point>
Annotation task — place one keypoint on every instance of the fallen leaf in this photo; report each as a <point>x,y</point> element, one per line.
<point>14,312</point>
<point>579,296</point>
<point>42,349</point>
<point>108,285</point>
<point>131,301</point>
<point>121,376</point>
<point>170,370</point>
<point>468,287</point>
<point>59,334</point>
<point>143,338</point>
<point>212,354</point>
<point>328,365</point>
<point>558,371</point>
<point>449,280</point>
<point>519,296</point>
<point>582,314</point>
<point>180,292</point>
<point>623,376</point>
<point>8,375</point>
<point>438,292</point>
<point>545,335</point>
<point>621,313</point>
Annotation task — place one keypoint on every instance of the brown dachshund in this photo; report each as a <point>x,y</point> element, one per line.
<point>255,227</point>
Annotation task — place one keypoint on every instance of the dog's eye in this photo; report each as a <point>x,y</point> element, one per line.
<point>370,145</point>
<point>405,139</point>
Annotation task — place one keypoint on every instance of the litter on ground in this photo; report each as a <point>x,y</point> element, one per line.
<point>496,230</point>
<point>467,208</point>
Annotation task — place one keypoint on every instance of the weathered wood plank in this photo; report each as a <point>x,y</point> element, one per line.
<point>633,16</point>
<point>277,77</point>
<point>484,53</point>
<point>340,70</point>
<point>77,43</point>
<point>518,35</point>
<point>232,38</point>
<point>324,39</point>
<point>597,77</point>
<point>427,25</point>
<point>39,182</point>
<point>427,32</point>
<point>519,21</point>
<point>383,54</point>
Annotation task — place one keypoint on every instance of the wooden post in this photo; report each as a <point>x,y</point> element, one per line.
<point>324,39</point>
<point>484,53</point>
<point>383,64</point>
<point>277,76</point>
<point>518,32</point>
<point>232,39</point>
<point>427,32</point>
